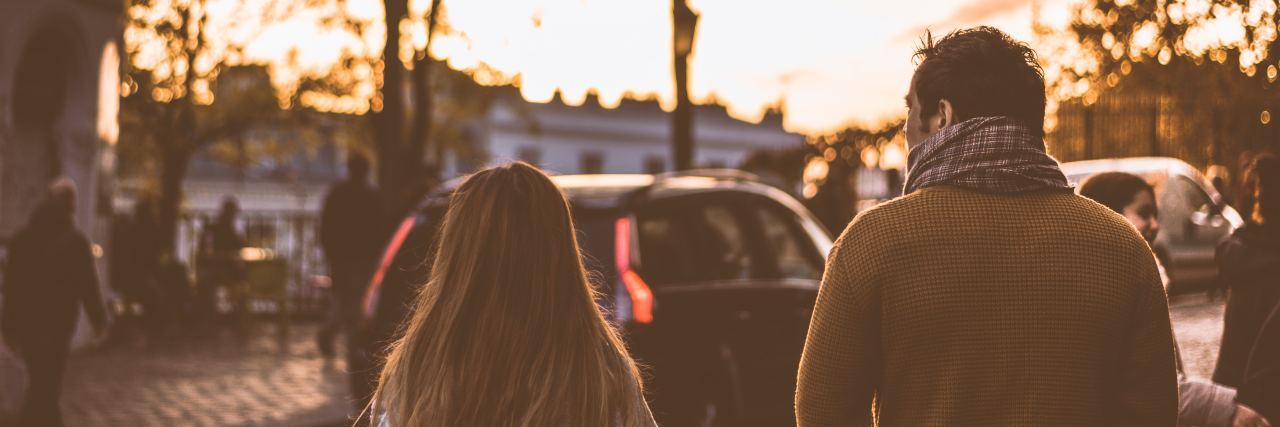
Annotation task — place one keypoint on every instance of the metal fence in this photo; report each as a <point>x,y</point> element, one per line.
<point>289,236</point>
<point>1129,125</point>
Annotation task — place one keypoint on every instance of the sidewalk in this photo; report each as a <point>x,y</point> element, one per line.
<point>258,379</point>
<point>1197,323</point>
<point>263,380</point>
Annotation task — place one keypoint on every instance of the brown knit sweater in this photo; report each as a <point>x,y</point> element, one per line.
<point>951,307</point>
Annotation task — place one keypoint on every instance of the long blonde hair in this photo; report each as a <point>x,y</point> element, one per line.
<point>506,330</point>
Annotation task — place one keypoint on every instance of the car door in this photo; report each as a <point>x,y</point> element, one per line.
<point>1195,225</point>
<point>734,276</point>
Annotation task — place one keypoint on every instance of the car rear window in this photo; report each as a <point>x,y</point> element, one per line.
<point>701,238</point>
<point>722,238</point>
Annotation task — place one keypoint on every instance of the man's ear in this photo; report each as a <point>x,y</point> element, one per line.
<point>946,114</point>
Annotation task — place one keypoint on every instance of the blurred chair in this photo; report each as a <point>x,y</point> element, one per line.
<point>268,281</point>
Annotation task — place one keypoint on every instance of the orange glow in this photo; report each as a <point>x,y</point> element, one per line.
<point>369,303</point>
<point>641,295</point>
<point>833,62</point>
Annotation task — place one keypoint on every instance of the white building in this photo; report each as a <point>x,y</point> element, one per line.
<point>59,80</point>
<point>280,199</point>
<point>635,137</point>
<point>59,74</point>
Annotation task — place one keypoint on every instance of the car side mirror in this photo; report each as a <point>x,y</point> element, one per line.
<point>1209,215</point>
<point>1216,209</point>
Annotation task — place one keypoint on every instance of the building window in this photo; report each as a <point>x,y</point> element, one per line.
<point>655,165</point>
<point>591,162</point>
<point>530,155</point>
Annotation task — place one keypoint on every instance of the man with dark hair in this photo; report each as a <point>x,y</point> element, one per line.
<point>989,294</point>
<point>49,277</point>
<point>350,234</point>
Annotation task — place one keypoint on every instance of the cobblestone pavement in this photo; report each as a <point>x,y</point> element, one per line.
<point>1197,324</point>
<point>265,379</point>
<point>259,378</point>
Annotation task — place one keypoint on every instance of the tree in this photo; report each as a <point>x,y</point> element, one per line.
<point>401,152</point>
<point>172,104</point>
<point>440,102</point>
<point>825,169</point>
<point>167,85</point>
<point>1209,63</point>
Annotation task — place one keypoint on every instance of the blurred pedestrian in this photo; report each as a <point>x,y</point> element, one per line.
<point>50,276</point>
<point>1242,185</point>
<point>989,294</point>
<point>350,234</point>
<point>1200,403</point>
<point>134,261</point>
<point>507,331</point>
<point>1249,265</point>
<point>219,265</point>
<point>1261,388</point>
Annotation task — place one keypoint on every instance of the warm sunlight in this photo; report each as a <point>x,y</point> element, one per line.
<point>828,63</point>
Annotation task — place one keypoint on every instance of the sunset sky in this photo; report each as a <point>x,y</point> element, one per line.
<point>830,62</point>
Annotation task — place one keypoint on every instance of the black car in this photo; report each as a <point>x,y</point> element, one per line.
<point>711,275</point>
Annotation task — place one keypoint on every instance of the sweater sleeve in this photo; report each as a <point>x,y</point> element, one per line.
<point>838,371</point>
<point>1261,387</point>
<point>1202,403</point>
<point>1148,393</point>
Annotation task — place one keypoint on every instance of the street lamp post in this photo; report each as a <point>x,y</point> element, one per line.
<point>685,26</point>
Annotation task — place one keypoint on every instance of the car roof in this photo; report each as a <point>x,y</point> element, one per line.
<point>613,190</point>
<point>1142,166</point>
<point>1135,165</point>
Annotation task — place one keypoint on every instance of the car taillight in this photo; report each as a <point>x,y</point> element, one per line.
<point>637,289</point>
<point>371,292</point>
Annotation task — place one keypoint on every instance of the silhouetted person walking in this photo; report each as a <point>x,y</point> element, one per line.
<point>50,275</point>
<point>989,294</point>
<point>349,235</point>
<point>219,264</point>
<point>135,259</point>
<point>1249,267</point>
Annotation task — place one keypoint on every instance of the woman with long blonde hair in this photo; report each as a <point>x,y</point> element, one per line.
<point>506,331</point>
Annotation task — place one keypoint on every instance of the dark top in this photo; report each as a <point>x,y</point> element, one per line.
<point>219,261</point>
<point>350,234</point>
<point>1249,265</point>
<point>136,249</point>
<point>1261,389</point>
<point>50,274</point>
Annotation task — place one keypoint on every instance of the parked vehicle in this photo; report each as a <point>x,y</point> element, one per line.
<point>1194,218</point>
<point>711,275</point>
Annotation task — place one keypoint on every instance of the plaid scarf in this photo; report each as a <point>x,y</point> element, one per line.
<point>985,154</point>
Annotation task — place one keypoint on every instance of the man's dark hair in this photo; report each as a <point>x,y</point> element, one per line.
<point>982,72</point>
<point>1114,190</point>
